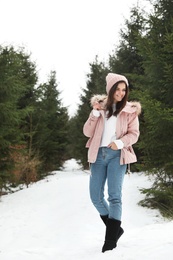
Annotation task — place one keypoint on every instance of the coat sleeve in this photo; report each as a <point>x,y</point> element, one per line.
<point>132,134</point>
<point>90,125</point>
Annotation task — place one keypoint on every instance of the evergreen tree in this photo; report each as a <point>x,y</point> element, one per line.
<point>156,142</point>
<point>14,85</point>
<point>156,48</point>
<point>127,59</point>
<point>51,120</point>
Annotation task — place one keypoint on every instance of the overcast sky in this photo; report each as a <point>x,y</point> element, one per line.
<point>65,36</point>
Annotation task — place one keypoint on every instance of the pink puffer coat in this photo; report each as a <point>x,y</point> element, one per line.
<point>127,130</point>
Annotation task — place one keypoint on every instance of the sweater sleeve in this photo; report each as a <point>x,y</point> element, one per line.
<point>119,144</point>
<point>96,113</point>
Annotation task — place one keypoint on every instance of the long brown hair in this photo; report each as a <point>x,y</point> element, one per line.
<point>110,101</point>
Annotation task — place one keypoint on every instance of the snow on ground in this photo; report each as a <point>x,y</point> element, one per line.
<point>54,219</point>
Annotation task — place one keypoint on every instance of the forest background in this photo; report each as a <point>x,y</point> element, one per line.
<point>37,135</point>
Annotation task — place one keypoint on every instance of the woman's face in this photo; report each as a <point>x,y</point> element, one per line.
<point>119,92</point>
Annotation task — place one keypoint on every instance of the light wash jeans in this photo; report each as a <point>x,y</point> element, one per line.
<point>107,167</point>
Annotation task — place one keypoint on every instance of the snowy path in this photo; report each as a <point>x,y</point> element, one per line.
<point>55,220</point>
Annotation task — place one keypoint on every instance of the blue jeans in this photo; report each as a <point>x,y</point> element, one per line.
<point>107,167</point>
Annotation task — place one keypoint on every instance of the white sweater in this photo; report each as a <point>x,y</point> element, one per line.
<point>109,133</point>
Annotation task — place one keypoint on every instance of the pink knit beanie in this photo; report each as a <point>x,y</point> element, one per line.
<point>113,78</point>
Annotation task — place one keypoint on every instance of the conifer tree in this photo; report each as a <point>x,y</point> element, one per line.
<point>157,82</point>
<point>126,58</point>
<point>51,118</point>
<point>14,85</point>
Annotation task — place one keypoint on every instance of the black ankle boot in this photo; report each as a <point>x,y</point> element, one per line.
<point>104,218</point>
<point>121,231</point>
<point>111,237</point>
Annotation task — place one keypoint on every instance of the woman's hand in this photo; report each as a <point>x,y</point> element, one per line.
<point>97,106</point>
<point>113,146</point>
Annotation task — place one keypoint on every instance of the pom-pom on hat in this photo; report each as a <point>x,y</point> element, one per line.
<point>113,78</point>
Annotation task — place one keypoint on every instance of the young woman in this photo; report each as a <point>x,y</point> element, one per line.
<point>112,128</point>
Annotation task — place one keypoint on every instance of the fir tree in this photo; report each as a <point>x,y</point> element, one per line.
<point>14,85</point>
<point>51,118</point>
<point>156,87</point>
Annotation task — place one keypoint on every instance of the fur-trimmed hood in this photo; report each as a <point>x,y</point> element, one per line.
<point>98,98</point>
<point>131,107</point>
